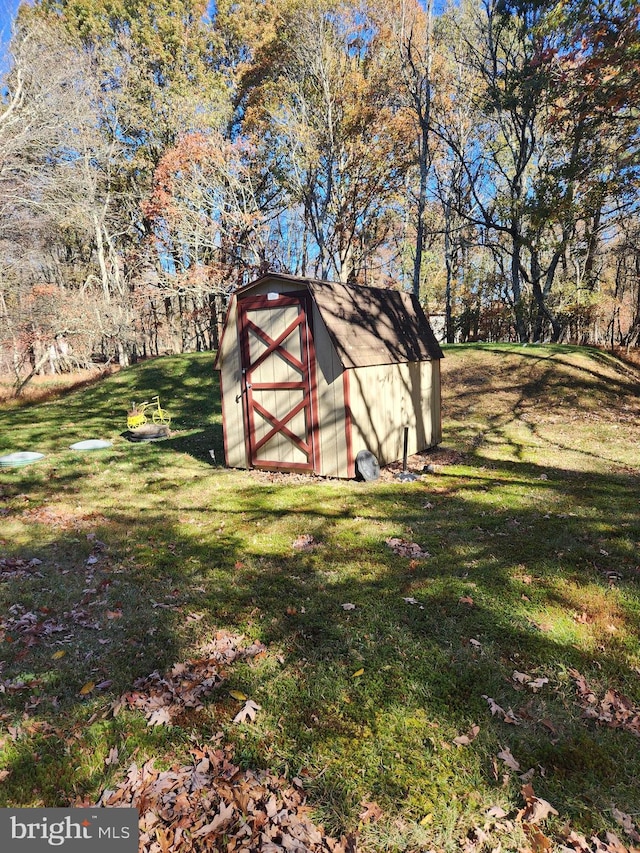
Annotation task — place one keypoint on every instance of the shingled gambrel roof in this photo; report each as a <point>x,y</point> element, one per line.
<point>370,326</point>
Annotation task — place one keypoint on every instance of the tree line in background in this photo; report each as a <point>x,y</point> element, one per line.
<point>154,157</point>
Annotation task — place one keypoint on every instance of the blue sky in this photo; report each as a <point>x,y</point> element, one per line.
<point>8,10</point>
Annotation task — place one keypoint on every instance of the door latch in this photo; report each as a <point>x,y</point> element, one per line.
<point>244,391</point>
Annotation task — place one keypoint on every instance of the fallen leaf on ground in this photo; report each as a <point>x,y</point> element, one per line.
<point>358,673</point>
<point>464,740</point>
<point>371,812</point>
<point>496,812</point>
<point>406,549</point>
<point>305,542</point>
<point>626,822</point>
<point>613,710</point>
<point>533,683</point>
<point>507,716</point>
<point>237,694</point>
<point>549,726</point>
<point>195,617</point>
<point>112,758</point>
<point>537,839</point>
<point>159,717</point>
<point>493,706</point>
<point>220,821</point>
<point>536,808</point>
<point>537,683</point>
<point>506,756</point>
<point>248,712</point>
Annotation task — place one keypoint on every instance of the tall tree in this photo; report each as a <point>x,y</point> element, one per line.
<point>318,106</point>
<point>527,178</point>
<point>410,26</point>
<point>158,69</point>
<point>210,214</point>
<point>49,150</point>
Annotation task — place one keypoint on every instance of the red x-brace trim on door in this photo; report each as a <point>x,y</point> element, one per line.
<point>272,345</point>
<point>257,448</point>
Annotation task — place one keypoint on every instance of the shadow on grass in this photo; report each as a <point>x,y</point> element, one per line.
<point>628,373</point>
<point>204,445</point>
<point>511,555</point>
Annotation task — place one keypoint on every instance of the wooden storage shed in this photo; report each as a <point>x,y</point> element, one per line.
<point>312,372</point>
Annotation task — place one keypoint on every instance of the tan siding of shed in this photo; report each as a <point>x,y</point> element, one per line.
<point>385,399</point>
<point>436,404</point>
<point>331,408</point>
<point>230,386</point>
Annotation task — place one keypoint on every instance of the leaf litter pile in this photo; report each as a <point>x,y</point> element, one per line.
<point>406,549</point>
<point>613,710</point>
<point>212,804</point>
<point>162,698</point>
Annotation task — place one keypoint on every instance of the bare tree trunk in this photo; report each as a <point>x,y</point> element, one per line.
<point>21,384</point>
<point>448,256</point>
<point>633,335</point>
<point>214,340</point>
<point>104,274</point>
<point>542,310</point>
<point>516,290</point>
<point>417,72</point>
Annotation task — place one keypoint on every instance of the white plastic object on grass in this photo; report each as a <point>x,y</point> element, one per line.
<point>22,457</point>
<point>91,444</point>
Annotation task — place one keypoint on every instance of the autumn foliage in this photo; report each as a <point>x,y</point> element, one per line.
<point>484,155</point>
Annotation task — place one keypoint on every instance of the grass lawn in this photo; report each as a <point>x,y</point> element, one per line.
<point>459,690</point>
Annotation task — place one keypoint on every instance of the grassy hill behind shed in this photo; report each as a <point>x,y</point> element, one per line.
<point>568,406</point>
<point>430,648</point>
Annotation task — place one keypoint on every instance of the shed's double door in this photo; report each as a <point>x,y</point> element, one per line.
<point>278,387</point>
